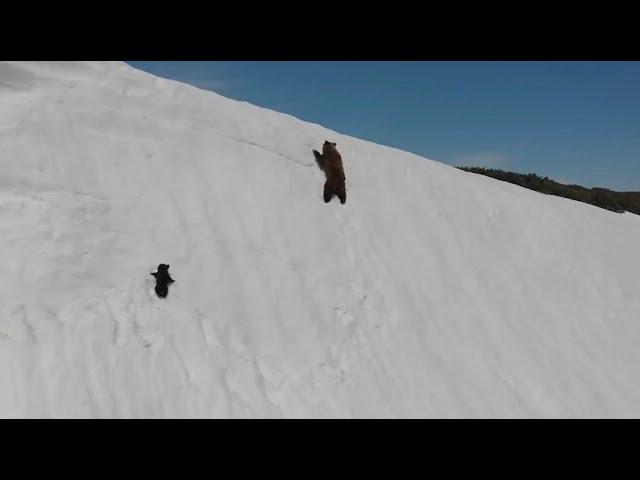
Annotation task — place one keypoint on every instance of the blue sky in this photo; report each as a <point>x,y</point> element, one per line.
<point>577,122</point>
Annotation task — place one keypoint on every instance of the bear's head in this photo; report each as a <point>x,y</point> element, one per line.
<point>328,146</point>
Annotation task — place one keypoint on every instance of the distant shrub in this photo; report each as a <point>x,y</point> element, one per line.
<point>600,197</point>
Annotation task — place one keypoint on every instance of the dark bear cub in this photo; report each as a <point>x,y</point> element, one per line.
<point>330,162</point>
<point>163,279</point>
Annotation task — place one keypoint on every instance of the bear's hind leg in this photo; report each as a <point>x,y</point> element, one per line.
<point>342,194</point>
<point>161,290</point>
<point>328,193</point>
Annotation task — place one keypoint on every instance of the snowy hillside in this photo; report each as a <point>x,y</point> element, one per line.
<point>432,293</point>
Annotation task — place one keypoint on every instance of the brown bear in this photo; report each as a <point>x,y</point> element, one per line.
<point>330,162</point>
<point>163,279</point>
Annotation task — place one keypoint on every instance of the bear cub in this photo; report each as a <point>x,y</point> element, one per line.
<point>163,279</point>
<point>330,162</point>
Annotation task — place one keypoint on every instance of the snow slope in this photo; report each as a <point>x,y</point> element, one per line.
<point>432,293</point>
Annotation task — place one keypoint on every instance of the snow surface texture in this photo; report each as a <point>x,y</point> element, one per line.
<point>432,293</point>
